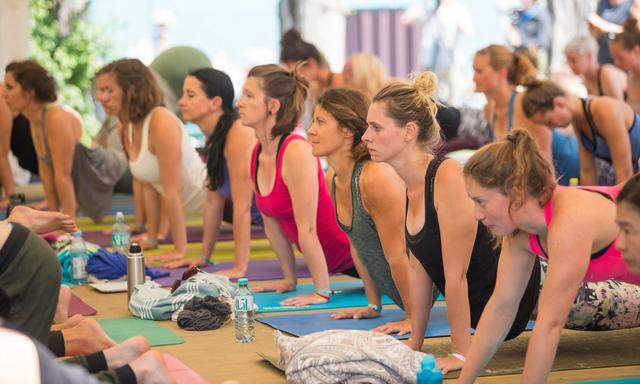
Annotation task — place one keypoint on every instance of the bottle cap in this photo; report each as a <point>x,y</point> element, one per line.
<point>243,282</point>
<point>135,248</point>
<point>119,216</point>
<point>77,233</point>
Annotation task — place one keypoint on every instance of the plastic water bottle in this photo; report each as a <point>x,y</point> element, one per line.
<point>79,258</point>
<point>120,235</point>
<point>573,182</point>
<point>428,373</point>
<point>244,313</point>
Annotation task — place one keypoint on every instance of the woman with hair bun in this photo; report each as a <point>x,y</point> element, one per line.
<point>608,129</point>
<point>289,184</point>
<point>625,49</point>
<point>449,247</point>
<point>574,229</point>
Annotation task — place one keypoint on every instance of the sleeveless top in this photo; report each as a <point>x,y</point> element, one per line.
<point>22,144</point>
<point>46,157</point>
<point>277,204</point>
<point>145,168</point>
<point>605,264</point>
<point>510,111</point>
<point>426,246</point>
<point>601,87</point>
<point>364,237</point>
<point>225,191</point>
<point>599,147</point>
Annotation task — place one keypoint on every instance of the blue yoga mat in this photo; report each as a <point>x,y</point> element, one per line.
<point>350,294</point>
<point>305,324</point>
<point>631,380</point>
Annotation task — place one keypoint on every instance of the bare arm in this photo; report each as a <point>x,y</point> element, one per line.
<point>614,82</point>
<point>614,130</point>
<point>284,253</point>
<point>59,132</point>
<point>6,176</point>
<point>211,219</point>
<point>514,269</point>
<point>588,173</point>
<point>421,300</point>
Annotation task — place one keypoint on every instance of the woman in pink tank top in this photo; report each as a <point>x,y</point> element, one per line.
<point>628,220</point>
<point>289,184</point>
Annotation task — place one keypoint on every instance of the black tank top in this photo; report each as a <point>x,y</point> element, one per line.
<point>22,144</point>
<point>426,246</point>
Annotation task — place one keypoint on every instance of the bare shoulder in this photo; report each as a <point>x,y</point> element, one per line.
<point>375,174</point>
<point>62,116</point>
<point>450,172</point>
<point>161,116</point>
<point>241,135</point>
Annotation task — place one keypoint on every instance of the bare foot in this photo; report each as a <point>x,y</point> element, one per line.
<point>150,369</point>
<point>232,273</point>
<point>62,310</point>
<point>86,338</point>
<point>125,352</point>
<point>41,221</point>
<point>70,322</point>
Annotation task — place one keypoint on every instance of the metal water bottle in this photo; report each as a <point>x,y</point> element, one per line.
<point>135,269</point>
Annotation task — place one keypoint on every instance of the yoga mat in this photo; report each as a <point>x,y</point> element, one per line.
<point>351,294</point>
<point>631,380</point>
<point>305,324</point>
<point>123,328</point>
<point>260,269</point>
<point>77,306</point>
<point>180,373</point>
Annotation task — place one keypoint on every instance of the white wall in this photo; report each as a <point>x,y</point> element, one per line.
<point>14,31</point>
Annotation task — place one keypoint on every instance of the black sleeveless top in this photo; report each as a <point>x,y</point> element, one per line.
<point>426,246</point>
<point>22,144</point>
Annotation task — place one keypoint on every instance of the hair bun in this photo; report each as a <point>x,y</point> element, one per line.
<point>291,37</point>
<point>426,85</point>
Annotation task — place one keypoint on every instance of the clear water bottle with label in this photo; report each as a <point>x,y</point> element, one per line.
<point>428,373</point>
<point>79,258</point>
<point>244,313</point>
<point>120,235</point>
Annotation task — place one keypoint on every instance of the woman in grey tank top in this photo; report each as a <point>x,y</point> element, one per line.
<point>369,198</point>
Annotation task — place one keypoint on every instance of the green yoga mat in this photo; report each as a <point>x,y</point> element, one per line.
<point>632,380</point>
<point>123,328</point>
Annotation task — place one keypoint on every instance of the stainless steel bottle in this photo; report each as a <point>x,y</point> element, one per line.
<point>135,269</point>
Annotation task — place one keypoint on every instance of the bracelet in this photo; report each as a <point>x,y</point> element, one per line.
<point>375,307</point>
<point>207,261</point>
<point>326,293</point>
<point>459,357</point>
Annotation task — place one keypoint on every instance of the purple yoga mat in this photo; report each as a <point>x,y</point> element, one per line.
<point>260,269</point>
<point>194,235</point>
<point>77,306</point>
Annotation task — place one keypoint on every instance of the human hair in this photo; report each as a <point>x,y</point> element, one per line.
<point>519,64</point>
<point>414,102</point>
<point>33,77</point>
<point>141,92</point>
<point>630,193</point>
<point>513,165</point>
<point>349,107</point>
<point>289,88</point>
<point>293,48</point>
<point>582,45</point>
<point>369,74</point>
<point>539,96</point>
<point>630,35</point>
<point>216,83</point>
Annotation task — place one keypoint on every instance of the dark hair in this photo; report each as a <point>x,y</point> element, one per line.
<point>539,96</point>
<point>349,107</point>
<point>217,83</point>
<point>293,48</point>
<point>630,35</point>
<point>630,193</point>
<point>139,86</point>
<point>33,77</point>
<point>289,88</point>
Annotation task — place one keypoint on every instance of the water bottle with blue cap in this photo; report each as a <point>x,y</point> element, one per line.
<point>428,373</point>
<point>244,313</point>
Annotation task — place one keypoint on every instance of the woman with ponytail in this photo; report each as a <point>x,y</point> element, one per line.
<point>371,216</point>
<point>207,100</point>
<point>289,184</point>
<point>608,129</point>
<point>498,72</point>
<point>625,49</point>
<point>449,247</point>
<point>516,197</point>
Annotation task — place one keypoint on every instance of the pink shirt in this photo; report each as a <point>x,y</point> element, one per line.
<point>609,263</point>
<point>277,204</point>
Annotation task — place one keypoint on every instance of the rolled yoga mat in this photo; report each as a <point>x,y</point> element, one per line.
<point>121,329</point>
<point>305,324</point>
<point>348,294</point>
<point>259,270</point>
<point>79,307</point>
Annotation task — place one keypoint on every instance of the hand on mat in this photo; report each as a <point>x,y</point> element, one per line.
<point>449,364</point>
<point>356,313</point>
<point>400,327</point>
<point>277,286</point>
<point>300,301</point>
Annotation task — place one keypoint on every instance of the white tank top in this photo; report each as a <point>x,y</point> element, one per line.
<point>145,168</point>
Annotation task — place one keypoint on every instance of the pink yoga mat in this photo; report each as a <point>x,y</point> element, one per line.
<point>260,269</point>
<point>180,373</point>
<point>77,306</point>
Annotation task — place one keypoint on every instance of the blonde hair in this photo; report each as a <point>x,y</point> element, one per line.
<point>414,102</point>
<point>369,74</point>
<point>520,64</point>
<point>582,45</point>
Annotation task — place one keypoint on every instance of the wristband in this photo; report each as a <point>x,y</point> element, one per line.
<point>326,293</point>
<point>375,307</point>
<point>459,357</point>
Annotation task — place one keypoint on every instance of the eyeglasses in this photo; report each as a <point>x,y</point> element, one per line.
<point>187,274</point>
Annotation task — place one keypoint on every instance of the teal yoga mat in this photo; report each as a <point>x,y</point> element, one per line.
<point>305,324</point>
<point>631,380</point>
<point>350,294</point>
<point>123,328</point>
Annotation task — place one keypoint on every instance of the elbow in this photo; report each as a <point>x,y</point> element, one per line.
<point>307,234</point>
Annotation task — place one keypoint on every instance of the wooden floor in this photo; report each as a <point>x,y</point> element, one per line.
<point>217,357</point>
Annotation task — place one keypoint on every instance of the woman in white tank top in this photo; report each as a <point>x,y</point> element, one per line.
<point>158,148</point>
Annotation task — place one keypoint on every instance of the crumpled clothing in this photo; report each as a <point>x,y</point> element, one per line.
<point>201,314</point>
<point>113,266</point>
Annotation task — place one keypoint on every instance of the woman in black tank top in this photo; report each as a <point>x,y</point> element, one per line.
<point>449,248</point>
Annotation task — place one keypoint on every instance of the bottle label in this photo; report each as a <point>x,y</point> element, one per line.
<point>244,304</point>
<point>79,268</point>
<point>120,239</point>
